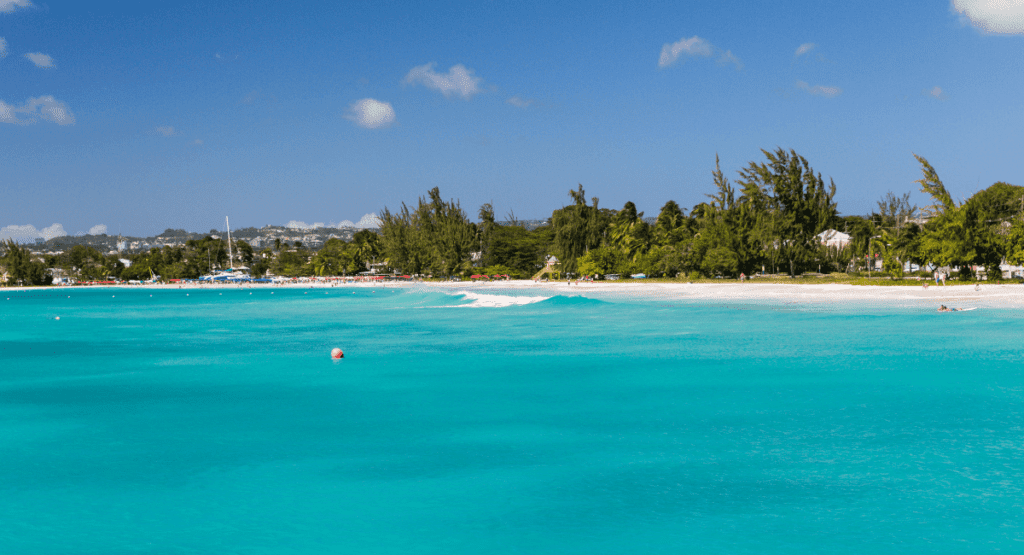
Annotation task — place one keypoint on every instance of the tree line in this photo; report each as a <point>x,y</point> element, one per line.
<point>770,219</point>
<point>195,258</point>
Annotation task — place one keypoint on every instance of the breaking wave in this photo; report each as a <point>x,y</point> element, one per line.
<point>484,300</point>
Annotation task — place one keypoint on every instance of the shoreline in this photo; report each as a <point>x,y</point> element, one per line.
<point>1002,295</point>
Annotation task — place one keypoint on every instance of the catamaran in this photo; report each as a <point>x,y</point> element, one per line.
<point>231,274</point>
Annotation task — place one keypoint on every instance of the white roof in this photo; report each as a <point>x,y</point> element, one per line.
<point>833,235</point>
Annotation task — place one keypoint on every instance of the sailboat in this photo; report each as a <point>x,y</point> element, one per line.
<point>232,274</point>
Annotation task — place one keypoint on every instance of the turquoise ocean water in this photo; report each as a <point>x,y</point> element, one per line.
<point>217,423</point>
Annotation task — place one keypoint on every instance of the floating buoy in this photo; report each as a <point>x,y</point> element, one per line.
<point>57,318</point>
<point>336,353</point>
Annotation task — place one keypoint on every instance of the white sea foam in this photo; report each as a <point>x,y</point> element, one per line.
<point>484,300</point>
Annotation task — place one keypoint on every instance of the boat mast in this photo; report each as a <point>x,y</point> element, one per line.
<point>231,256</point>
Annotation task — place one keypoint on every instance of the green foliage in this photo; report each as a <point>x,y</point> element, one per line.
<point>578,228</point>
<point>516,248</point>
<point>292,262</point>
<point>886,247</point>
<point>720,261</point>
<point>932,186</point>
<point>601,261</point>
<point>243,251</point>
<point>629,233</point>
<point>998,203</point>
<point>957,235</point>
<point>436,237</point>
<point>771,217</point>
<point>21,267</point>
<point>789,206</point>
<point>671,224</point>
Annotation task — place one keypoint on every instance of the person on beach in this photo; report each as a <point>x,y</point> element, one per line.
<point>942,276</point>
<point>936,277</point>
<point>944,308</point>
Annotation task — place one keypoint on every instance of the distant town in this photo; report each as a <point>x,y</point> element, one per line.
<point>257,238</point>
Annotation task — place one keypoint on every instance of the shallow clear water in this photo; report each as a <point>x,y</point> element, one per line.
<point>217,423</point>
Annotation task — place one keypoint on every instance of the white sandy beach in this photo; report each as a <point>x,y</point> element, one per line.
<point>960,296</point>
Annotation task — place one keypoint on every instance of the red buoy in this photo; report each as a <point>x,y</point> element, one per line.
<point>336,353</point>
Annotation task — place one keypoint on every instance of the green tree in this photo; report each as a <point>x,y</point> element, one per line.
<point>896,234</point>
<point>956,234</point>
<point>516,248</point>
<point>720,261</point>
<point>245,252</point>
<point>672,225</point>
<point>1015,242</point>
<point>602,261</point>
<point>578,228</point>
<point>436,236</point>
<point>629,233</point>
<point>792,205</point>
<point>21,267</point>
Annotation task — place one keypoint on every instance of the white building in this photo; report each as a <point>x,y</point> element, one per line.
<point>833,238</point>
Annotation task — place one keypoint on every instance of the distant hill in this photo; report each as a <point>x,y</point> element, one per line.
<point>258,238</point>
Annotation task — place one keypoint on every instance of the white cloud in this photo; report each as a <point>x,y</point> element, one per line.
<point>936,92</point>
<point>55,230</point>
<point>520,102</point>
<point>7,6</point>
<point>29,233</point>
<point>19,233</point>
<point>368,221</point>
<point>165,130</point>
<point>1001,17</point>
<point>343,223</point>
<point>296,224</point>
<point>819,90</point>
<point>44,107</point>
<point>804,48</point>
<point>458,81</point>
<point>371,114</point>
<point>40,59</point>
<point>694,47</point>
<point>3,48</point>
<point>727,58</point>
<point>98,230</point>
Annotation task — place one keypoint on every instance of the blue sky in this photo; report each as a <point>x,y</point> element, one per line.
<point>144,116</point>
